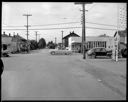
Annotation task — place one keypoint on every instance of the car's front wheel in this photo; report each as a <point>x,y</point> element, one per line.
<point>53,53</point>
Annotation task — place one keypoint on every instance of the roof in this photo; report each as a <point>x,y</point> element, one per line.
<point>122,33</point>
<point>71,34</point>
<point>18,37</point>
<point>5,35</point>
<point>104,35</point>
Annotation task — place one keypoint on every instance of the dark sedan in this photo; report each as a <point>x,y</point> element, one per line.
<point>124,53</point>
<point>99,51</point>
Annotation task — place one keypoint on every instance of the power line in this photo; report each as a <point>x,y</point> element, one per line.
<point>57,24</point>
<point>46,24</point>
<point>92,7</point>
<point>12,26</point>
<point>65,23</point>
<point>102,24</point>
<point>63,28</point>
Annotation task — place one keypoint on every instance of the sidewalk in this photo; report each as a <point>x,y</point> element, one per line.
<point>106,63</point>
<point>111,65</point>
<point>108,72</point>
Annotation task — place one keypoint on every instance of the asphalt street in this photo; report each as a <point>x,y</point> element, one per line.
<point>41,76</point>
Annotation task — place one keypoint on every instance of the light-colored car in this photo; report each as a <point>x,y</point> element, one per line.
<point>60,52</point>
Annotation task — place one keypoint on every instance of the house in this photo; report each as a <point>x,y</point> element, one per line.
<point>123,38</point>
<point>66,38</point>
<point>91,42</point>
<point>6,41</point>
<point>13,43</point>
<point>18,43</point>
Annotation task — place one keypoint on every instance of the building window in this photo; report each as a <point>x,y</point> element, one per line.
<point>105,44</point>
<point>4,46</point>
<point>94,44</point>
<point>102,44</point>
<point>98,44</point>
<point>91,44</point>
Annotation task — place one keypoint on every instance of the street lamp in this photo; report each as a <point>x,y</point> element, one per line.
<point>83,27</point>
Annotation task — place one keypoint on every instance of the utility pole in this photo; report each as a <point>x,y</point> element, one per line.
<point>117,35</point>
<point>55,40</point>
<point>55,43</point>
<point>62,38</point>
<point>27,15</point>
<point>83,31</point>
<point>36,35</point>
<point>39,37</point>
<point>83,27</point>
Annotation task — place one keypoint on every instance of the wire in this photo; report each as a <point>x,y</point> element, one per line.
<point>57,24</point>
<point>46,24</point>
<point>102,24</point>
<point>66,23</point>
<point>91,7</point>
<point>63,28</point>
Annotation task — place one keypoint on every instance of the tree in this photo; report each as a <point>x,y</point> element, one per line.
<point>51,45</point>
<point>42,43</point>
<point>33,45</point>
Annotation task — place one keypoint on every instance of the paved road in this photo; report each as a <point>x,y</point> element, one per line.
<point>40,76</point>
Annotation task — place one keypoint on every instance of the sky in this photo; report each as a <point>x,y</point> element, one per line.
<point>45,14</point>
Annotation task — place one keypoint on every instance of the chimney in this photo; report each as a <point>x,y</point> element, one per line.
<point>72,31</point>
<point>3,33</point>
<point>9,34</point>
<point>13,34</point>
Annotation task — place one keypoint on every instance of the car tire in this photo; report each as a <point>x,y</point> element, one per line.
<point>124,53</point>
<point>67,53</point>
<point>53,53</point>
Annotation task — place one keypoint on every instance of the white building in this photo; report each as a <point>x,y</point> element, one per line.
<point>91,42</point>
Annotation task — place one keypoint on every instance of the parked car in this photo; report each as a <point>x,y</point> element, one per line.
<point>124,52</point>
<point>99,51</point>
<point>2,66</point>
<point>5,53</point>
<point>60,52</point>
